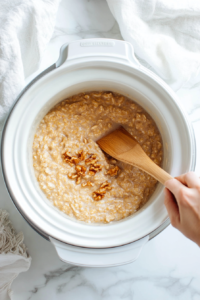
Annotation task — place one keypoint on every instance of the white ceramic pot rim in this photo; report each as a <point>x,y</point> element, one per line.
<point>123,64</point>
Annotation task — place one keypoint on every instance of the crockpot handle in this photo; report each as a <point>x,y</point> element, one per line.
<point>89,257</point>
<point>98,48</point>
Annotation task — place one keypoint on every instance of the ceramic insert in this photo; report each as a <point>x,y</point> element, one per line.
<point>74,173</point>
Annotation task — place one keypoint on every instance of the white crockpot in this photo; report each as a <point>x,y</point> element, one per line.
<point>87,65</point>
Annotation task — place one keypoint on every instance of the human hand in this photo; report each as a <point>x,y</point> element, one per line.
<point>182,201</point>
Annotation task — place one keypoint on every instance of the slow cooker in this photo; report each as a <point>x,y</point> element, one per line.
<point>88,65</point>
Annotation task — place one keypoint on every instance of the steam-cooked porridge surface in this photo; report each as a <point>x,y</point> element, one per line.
<point>74,173</point>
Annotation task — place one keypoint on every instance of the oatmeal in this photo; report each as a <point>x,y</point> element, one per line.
<point>74,173</point>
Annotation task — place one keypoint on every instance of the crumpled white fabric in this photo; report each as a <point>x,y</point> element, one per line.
<point>165,35</point>
<point>10,267</point>
<point>26,26</point>
<point>14,258</point>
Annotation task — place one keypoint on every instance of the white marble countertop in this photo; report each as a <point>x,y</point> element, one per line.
<point>169,265</point>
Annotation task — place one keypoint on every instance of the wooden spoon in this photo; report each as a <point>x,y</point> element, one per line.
<point>122,146</point>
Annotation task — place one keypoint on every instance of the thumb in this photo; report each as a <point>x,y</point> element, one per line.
<point>172,208</point>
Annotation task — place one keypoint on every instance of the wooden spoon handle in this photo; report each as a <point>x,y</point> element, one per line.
<point>157,172</point>
<point>144,163</point>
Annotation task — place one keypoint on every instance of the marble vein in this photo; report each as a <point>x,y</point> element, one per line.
<point>118,284</point>
<point>55,274</point>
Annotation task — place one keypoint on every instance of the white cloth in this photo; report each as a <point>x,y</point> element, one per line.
<point>26,26</point>
<point>165,34</point>
<point>10,267</point>
<point>14,258</point>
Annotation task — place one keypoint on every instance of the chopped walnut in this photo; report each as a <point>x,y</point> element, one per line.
<point>91,160</point>
<point>113,171</point>
<point>75,160</point>
<point>97,196</point>
<point>72,176</point>
<point>78,180</point>
<point>88,183</point>
<point>94,169</point>
<point>101,191</point>
<point>72,160</point>
<point>80,170</point>
<point>91,173</point>
<point>81,155</point>
<point>106,186</point>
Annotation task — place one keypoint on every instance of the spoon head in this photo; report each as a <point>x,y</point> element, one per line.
<point>122,146</point>
<point>117,142</point>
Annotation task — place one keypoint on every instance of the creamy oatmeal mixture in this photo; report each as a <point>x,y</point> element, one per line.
<point>74,173</point>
